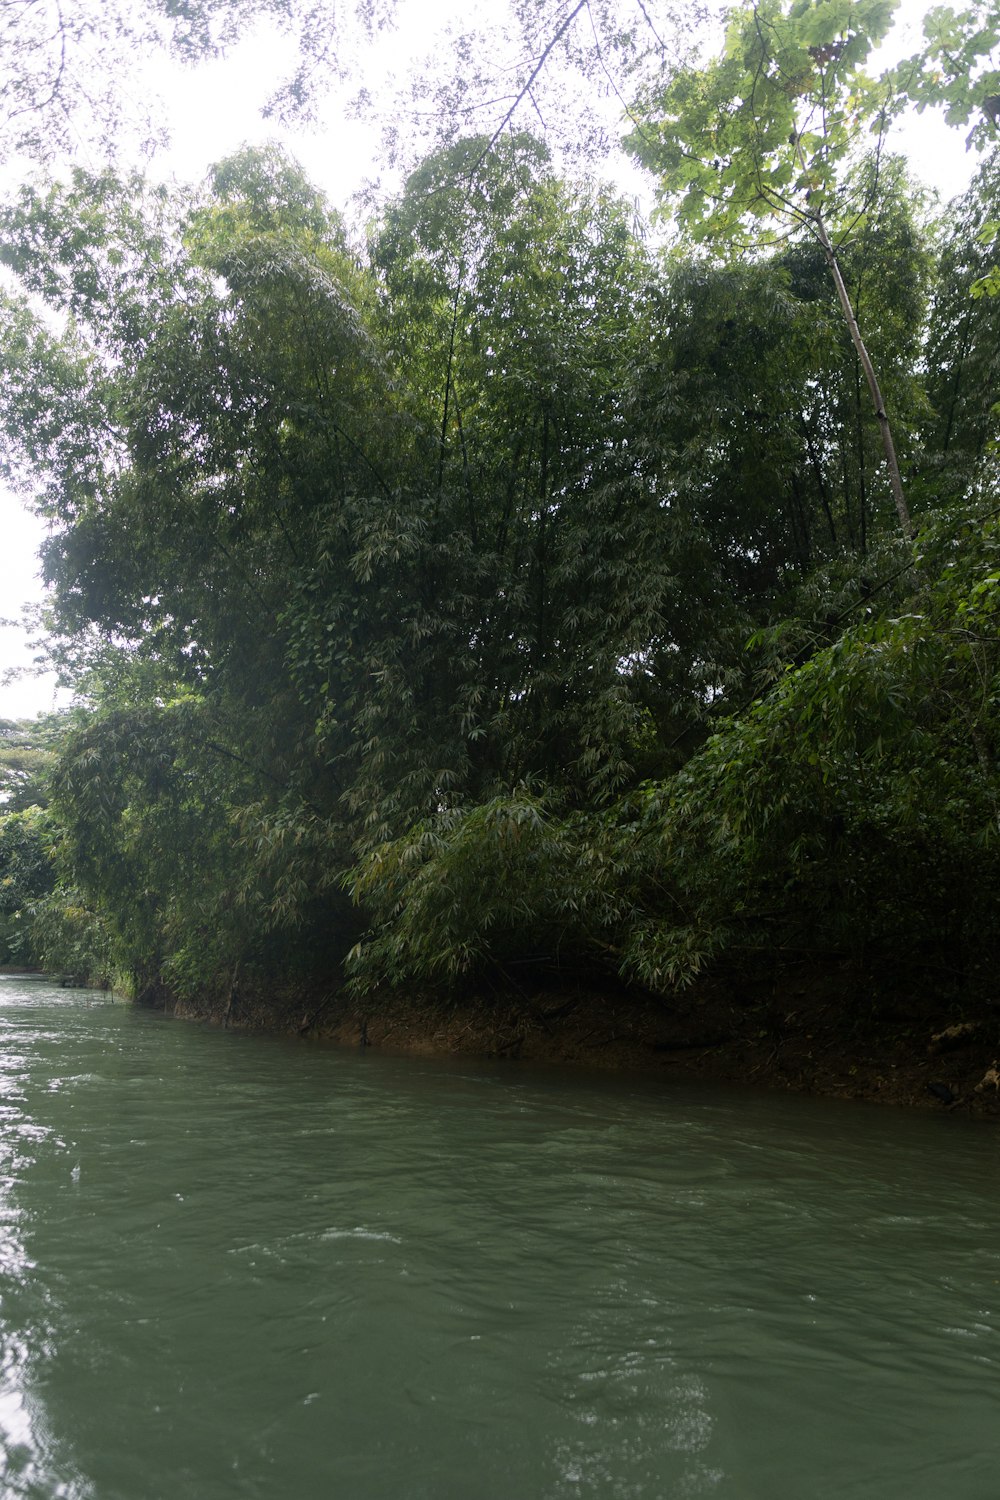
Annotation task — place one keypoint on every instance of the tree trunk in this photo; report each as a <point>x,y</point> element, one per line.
<point>888,445</point>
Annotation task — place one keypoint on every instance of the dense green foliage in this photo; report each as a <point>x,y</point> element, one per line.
<point>44,921</point>
<point>496,598</point>
<point>26,876</point>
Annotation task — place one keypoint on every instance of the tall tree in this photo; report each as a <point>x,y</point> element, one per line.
<point>366,534</point>
<point>525,297</point>
<point>760,141</point>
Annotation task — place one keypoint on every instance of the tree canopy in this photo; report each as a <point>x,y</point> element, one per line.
<point>497,589</point>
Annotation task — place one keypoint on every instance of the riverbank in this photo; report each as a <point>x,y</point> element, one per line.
<point>804,1029</point>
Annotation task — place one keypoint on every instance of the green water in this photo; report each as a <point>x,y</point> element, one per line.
<point>235,1267</point>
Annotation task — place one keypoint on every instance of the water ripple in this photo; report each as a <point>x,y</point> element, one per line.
<point>230,1267</point>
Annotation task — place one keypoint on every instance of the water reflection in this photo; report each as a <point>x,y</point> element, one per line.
<point>31,1463</point>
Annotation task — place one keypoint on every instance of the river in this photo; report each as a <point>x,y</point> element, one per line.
<point>242,1267</point>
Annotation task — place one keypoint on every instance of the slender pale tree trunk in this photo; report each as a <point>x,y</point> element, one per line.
<point>889,447</point>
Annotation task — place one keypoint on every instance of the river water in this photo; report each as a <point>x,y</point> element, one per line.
<point>243,1267</point>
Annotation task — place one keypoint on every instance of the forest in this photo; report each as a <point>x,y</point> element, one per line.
<point>515,597</point>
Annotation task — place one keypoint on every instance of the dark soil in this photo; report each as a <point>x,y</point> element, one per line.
<point>810,1029</point>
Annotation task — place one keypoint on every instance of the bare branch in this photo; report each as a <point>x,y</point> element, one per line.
<point>523,92</point>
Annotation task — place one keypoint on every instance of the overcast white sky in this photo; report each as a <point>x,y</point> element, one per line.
<point>214,109</point>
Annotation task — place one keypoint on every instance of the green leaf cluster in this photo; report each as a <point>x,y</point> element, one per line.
<point>409,584</point>
<point>764,132</point>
